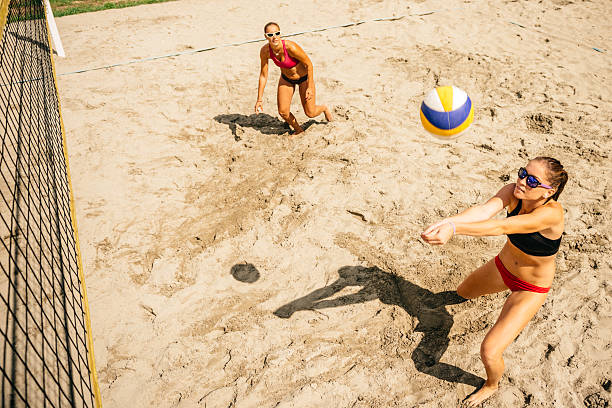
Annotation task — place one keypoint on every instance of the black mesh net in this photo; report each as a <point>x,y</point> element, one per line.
<point>43,353</point>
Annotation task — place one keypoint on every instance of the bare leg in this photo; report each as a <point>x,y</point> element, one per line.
<point>519,309</point>
<point>311,109</point>
<point>483,281</point>
<point>283,99</point>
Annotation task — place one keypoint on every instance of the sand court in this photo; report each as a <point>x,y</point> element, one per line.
<point>229,264</point>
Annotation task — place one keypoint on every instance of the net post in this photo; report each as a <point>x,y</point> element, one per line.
<point>57,41</point>
<point>4,5</point>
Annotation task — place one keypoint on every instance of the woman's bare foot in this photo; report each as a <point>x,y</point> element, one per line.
<point>479,396</point>
<point>328,114</point>
<point>298,130</point>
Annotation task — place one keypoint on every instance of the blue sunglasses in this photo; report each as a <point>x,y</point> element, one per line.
<point>531,180</point>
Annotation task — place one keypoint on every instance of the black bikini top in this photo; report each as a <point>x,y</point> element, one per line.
<point>533,243</point>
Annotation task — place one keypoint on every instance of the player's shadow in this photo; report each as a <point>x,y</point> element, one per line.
<point>262,122</point>
<point>429,308</point>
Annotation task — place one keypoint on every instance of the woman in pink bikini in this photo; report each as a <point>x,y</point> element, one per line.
<point>526,263</point>
<point>296,69</point>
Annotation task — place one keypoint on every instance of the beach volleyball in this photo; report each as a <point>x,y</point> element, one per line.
<point>446,112</point>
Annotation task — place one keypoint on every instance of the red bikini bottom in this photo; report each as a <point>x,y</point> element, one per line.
<point>513,283</point>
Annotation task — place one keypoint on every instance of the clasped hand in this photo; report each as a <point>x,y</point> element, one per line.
<point>439,233</point>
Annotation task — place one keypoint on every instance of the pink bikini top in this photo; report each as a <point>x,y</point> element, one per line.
<point>288,62</point>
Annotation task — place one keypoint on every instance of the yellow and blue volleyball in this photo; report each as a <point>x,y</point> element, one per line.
<point>446,112</point>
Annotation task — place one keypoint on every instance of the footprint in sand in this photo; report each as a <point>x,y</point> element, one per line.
<point>539,122</point>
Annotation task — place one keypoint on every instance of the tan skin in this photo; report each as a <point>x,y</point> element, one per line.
<point>536,215</point>
<point>286,89</point>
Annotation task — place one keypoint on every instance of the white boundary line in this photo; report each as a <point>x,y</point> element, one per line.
<point>394,18</point>
<point>176,54</point>
<point>59,47</point>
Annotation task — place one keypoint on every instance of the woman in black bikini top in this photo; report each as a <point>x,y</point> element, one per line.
<point>533,243</point>
<point>525,265</point>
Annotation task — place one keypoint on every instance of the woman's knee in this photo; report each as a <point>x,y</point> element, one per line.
<point>489,351</point>
<point>284,113</point>
<point>464,292</point>
<point>310,112</point>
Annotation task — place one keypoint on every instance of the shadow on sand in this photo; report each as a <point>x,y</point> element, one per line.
<point>245,272</point>
<point>429,308</point>
<point>262,122</point>
<point>43,46</point>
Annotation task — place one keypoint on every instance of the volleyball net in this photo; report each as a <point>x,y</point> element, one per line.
<point>46,350</point>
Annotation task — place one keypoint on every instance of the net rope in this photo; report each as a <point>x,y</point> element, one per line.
<point>43,326</point>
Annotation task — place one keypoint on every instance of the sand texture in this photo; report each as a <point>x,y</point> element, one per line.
<point>230,264</point>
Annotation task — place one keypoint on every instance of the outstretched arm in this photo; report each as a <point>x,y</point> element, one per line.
<point>488,209</point>
<point>479,212</point>
<point>539,219</point>
<point>263,78</point>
